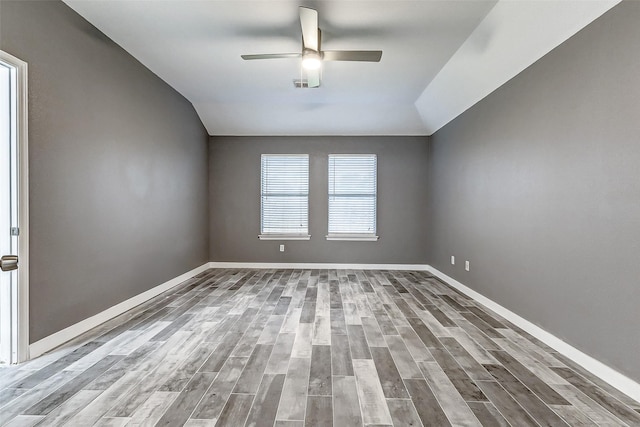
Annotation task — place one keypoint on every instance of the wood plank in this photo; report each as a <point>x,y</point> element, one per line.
<point>248,341</point>
<point>358,342</point>
<point>533,350</point>
<point>341,355</point>
<point>479,353</point>
<point>294,392</point>
<point>193,422</point>
<point>477,335</point>
<point>532,364</point>
<point>346,406</point>
<point>323,300</point>
<point>487,316</point>
<point>487,414</point>
<point>319,411</point>
<point>386,324</point>
<point>573,416</point>
<point>221,354</point>
<point>279,360</point>
<point>63,413</point>
<point>482,325</point>
<point>98,407</point>
<point>604,399</point>
<point>265,405</point>
<point>127,364</point>
<point>303,343</point>
<point>291,320</point>
<point>529,401</point>
<point>282,306</point>
<point>471,366</point>
<point>25,421</point>
<point>271,330</point>
<point>403,412</point>
<point>582,402</point>
<point>184,404</point>
<point>59,396</point>
<point>351,315</point>
<point>335,298</point>
<point>535,384</point>
<point>215,398</point>
<point>407,367</point>
<point>372,332</point>
<point>372,401</point>
<point>416,347</point>
<point>56,366</point>
<point>236,410</point>
<point>450,400</point>
<point>152,410</point>
<point>390,380</point>
<point>308,312</point>
<point>427,337</point>
<point>508,407</point>
<point>320,373</point>
<point>458,377</point>
<point>321,330</point>
<point>426,404</point>
<point>283,423</point>
<point>338,324</point>
<point>178,379</point>
<point>251,376</point>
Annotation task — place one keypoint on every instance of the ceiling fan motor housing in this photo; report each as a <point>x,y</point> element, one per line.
<point>311,59</point>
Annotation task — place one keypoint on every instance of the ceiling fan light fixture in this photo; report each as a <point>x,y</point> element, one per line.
<point>312,54</point>
<point>311,60</point>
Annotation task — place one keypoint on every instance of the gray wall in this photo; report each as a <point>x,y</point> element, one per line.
<point>234,186</point>
<point>538,186</point>
<point>118,169</point>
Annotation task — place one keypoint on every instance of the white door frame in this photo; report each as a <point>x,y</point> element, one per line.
<point>21,329</point>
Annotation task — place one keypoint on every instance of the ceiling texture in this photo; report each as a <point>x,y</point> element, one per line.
<point>439,57</point>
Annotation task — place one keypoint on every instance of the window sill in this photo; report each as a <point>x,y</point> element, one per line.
<point>284,237</point>
<point>353,237</point>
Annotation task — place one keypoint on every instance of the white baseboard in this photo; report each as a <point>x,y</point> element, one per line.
<point>315,265</point>
<point>54,340</point>
<point>599,369</point>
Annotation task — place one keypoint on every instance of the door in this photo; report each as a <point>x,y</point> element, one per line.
<point>13,335</point>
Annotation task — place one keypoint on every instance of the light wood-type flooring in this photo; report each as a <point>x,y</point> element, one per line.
<point>291,348</point>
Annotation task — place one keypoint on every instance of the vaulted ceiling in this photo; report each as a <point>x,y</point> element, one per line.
<point>439,57</point>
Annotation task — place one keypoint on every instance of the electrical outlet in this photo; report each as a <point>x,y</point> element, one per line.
<point>281,248</point>
<point>453,260</point>
<point>466,265</point>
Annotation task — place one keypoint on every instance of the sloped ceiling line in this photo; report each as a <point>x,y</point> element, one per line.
<point>439,57</point>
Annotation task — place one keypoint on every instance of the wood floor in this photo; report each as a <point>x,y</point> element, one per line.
<point>309,348</point>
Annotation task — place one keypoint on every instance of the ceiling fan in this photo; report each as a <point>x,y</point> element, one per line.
<point>312,55</point>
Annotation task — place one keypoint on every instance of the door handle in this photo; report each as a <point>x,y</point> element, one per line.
<point>9,262</point>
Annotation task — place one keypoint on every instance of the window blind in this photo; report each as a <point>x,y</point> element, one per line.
<point>284,194</point>
<point>352,194</point>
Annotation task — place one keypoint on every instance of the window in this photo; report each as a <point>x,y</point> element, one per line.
<point>352,197</point>
<point>284,212</point>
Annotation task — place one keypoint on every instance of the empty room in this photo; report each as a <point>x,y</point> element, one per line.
<point>320,213</point>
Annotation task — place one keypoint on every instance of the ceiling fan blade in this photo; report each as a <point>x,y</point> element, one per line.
<point>271,56</point>
<point>313,78</point>
<point>309,24</point>
<point>352,55</point>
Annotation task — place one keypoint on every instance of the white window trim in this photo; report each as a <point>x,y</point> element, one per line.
<point>284,236</point>
<point>353,237</point>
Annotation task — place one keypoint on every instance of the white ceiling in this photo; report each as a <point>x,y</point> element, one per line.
<point>439,57</point>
